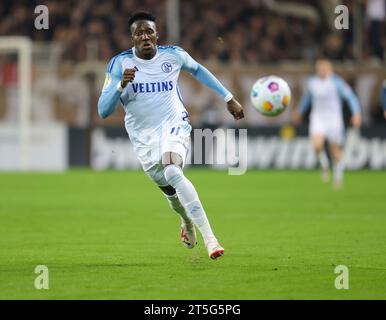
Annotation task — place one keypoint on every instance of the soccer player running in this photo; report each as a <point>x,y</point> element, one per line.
<point>144,79</point>
<point>325,91</point>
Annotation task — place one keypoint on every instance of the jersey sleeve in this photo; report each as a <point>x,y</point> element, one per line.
<point>347,93</point>
<point>202,74</point>
<point>110,94</point>
<point>305,101</point>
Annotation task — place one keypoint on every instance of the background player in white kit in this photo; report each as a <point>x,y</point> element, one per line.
<point>383,98</point>
<point>144,79</point>
<point>325,91</point>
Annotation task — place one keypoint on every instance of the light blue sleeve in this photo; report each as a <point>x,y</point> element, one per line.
<point>110,95</point>
<point>305,101</point>
<point>346,93</point>
<point>201,73</point>
<point>383,95</point>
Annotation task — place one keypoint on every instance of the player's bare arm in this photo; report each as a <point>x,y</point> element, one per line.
<point>305,103</point>
<point>296,118</point>
<point>356,121</point>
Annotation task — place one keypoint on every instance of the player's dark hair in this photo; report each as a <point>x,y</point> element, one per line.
<point>140,15</point>
<point>323,55</point>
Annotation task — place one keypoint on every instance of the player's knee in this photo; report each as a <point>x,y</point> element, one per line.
<point>169,158</point>
<point>318,147</point>
<point>336,153</point>
<point>318,143</point>
<point>173,174</point>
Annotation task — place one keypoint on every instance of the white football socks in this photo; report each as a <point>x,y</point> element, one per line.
<point>188,197</point>
<point>338,172</point>
<point>176,205</point>
<point>323,160</point>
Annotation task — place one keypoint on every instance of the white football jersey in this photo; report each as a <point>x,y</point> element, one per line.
<point>325,96</point>
<point>326,102</point>
<point>153,98</point>
<point>155,112</point>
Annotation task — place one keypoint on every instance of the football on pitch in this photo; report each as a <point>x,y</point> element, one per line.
<point>270,95</point>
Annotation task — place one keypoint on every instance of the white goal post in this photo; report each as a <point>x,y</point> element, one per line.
<point>22,46</point>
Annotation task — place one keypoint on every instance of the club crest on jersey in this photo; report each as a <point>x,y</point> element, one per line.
<point>166,67</point>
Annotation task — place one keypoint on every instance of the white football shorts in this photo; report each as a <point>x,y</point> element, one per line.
<point>172,137</point>
<point>334,132</point>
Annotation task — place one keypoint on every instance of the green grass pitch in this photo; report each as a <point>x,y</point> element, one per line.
<point>111,235</point>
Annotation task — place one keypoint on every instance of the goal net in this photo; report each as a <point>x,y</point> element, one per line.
<point>21,48</point>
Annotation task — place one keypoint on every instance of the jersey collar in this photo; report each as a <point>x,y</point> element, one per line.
<point>144,60</point>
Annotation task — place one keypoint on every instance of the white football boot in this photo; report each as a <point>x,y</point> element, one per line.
<point>188,234</point>
<point>215,250</point>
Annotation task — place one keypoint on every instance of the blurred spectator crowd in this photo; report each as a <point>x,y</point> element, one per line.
<point>223,31</point>
<point>228,31</point>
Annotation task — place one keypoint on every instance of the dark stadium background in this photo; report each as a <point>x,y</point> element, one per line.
<point>239,41</point>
